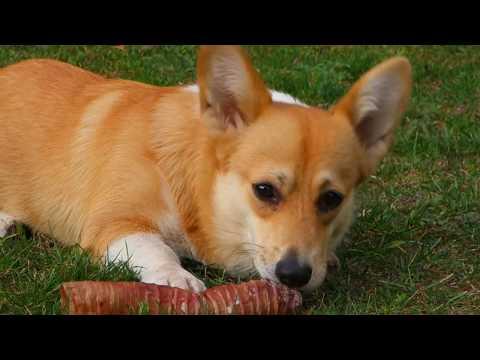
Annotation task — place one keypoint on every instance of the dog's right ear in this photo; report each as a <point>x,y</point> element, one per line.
<point>375,106</point>
<point>232,93</point>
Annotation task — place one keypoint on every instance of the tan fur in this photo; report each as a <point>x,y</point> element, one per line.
<point>89,160</point>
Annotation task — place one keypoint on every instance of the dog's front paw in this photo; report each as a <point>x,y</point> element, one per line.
<point>174,276</point>
<point>6,221</point>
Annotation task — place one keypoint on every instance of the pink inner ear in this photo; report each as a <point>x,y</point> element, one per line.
<point>366,131</point>
<point>231,85</point>
<point>232,116</point>
<point>235,119</point>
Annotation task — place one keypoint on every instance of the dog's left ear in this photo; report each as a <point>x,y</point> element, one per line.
<point>232,93</point>
<point>375,106</point>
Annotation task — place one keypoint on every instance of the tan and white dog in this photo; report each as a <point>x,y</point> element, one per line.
<point>226,172</point>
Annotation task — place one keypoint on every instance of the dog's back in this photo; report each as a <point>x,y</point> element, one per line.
<point>59,125</point>
<point>36,119</point>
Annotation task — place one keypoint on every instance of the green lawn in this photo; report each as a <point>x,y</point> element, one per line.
<point>415,247</point>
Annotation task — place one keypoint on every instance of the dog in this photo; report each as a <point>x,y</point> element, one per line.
<point>225,172</point>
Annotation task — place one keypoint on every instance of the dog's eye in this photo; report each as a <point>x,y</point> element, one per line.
<point>266,193</point>
<point>329,201</point>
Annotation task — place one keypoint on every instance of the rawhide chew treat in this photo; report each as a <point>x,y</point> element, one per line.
<point>257,297</point>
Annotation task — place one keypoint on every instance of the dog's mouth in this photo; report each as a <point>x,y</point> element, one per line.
<point>267,271</point>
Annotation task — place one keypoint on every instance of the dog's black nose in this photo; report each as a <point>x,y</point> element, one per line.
<point>291,273</point>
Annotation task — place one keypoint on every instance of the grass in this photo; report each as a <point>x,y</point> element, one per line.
<point>415,246</point>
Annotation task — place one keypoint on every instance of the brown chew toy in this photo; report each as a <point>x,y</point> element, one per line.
<point>123,298</point>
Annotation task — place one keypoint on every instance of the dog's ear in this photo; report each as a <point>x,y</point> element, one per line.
<point>375,106</point>
<point>232,93</point>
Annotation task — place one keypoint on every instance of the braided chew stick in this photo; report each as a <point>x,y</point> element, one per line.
<point>122,298</point>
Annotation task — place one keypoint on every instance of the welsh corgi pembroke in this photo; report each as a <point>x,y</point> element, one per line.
<point>225,172</point>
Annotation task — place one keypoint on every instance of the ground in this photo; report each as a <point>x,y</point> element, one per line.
<point>415,247</point>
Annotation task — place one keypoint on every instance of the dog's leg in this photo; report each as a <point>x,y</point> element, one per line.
<point>141,244</point>
<point>5,222</point>
<point>156,262</point>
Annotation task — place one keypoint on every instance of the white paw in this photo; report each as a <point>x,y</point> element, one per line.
<point>174,276</point>
<point>5,222</point>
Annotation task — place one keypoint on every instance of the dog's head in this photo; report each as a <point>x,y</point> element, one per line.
<point>288,173</point>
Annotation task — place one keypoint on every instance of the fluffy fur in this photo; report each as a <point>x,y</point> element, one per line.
<point>113,165</point>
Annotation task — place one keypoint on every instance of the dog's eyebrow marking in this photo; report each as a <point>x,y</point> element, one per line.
<point>282,178</point>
